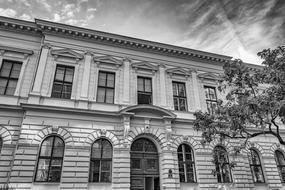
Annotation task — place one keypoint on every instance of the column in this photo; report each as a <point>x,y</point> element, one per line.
<point>21,76</point>
<point>86,75</point>
<point>196,90</point>
<point>126,91</point>
<point>162,85</point>
<point>41,69</point>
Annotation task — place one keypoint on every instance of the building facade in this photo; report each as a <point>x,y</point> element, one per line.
<point>83,109</point>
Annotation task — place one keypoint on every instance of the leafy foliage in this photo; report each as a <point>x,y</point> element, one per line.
<point>254,103</point>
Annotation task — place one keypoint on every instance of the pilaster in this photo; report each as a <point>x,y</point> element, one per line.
<point>41,69</point>
<point>86,75</point>
<point>126,91</point>
<point>162,85</point>
<point>196,90</point>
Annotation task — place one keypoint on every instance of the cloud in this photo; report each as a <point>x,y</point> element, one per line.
<point>91,9</point>
<point>56,17</point>
<point>8,12</point>
<point>26,17</point>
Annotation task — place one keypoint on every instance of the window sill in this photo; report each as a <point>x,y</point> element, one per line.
<point>46,183</point>
<point>94,183</point>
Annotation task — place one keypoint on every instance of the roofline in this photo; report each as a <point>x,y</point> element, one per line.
<point>54,28</point>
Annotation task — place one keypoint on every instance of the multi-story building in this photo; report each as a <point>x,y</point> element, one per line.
<point>83,109</point>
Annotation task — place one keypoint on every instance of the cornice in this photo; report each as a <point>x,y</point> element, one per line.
<point>16,25</point>
<point>48,27</point>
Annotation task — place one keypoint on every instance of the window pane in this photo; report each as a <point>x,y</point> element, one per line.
<point>140,84</point>
<point>106,165</point>
<point>111,80</point>
<point>280,158</point>
<point>42,172</point>
<point>105,177</point>
<point>56,90</point>
<point>102,79</point>
<point>149,146</point>
<point>107,149</point>
<point>55,171</point>
<point>181,90</point>
<point>58,147</point>
<point>5,69</point>
<point>16,70</point>
<point>147,85</point>
<point>46,147</point>
<point>182,177</point>
<point>152,164</point>
<point>144,98</point>
<point>212,94</point>
<point>59,73</point>
<point>109,95</point>
<point>94,171</point>
<point>66,92</point>
<point>174,89</point>
<point>182,103</point>
<point>257,174</point>
<point>68,75</point>
<point>101,94</point>
<point>176,103</point>
<point>135,163</point>
<point>3,84</point>
<point>10,90</point>
<point>96,150</point>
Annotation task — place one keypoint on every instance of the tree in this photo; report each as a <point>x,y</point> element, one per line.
<point>254,103</point>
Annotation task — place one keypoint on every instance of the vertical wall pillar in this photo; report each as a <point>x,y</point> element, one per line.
<point>196,90</point>
<point>86,75</point>
<point>170,176</point>
<point>41,69</point>
<point>162,85</point>
<point>126,91</point>
<point>121,169</point>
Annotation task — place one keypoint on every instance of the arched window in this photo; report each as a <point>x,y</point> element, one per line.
<point>280,160</point>
<point>221,161</point>
<point>255,167</point>
<point>101,161</point>
<point>50,160</point>
<point>186,164</point>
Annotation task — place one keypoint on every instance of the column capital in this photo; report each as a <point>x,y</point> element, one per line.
<point>46,46</point>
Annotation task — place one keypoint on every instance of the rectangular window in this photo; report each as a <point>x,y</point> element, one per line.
<point>62,85</point>
<point>106,87</point>
<point>9,75</point>
<point>179,96</point>
<point>211,99</point>
<point>144,90</point>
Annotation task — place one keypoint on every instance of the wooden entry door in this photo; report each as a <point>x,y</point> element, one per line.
<point>144,165</point>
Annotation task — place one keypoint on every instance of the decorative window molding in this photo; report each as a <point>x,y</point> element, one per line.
<point>144,65</point>
<point>178,71</point>
<point>208,76</point>
<point>66,53</point>
<point>280,161</point>
<point>221,161</point>
<point>6,49</point>
<point>107,60</point>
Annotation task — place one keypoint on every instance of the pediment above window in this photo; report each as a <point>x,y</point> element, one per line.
<point>148,111</point>
<point>66,53</point>
<point>178,71</point>
<point>209,76</point>
<point>107,60</point>
<point>15,52</point>
<point>144,65</point>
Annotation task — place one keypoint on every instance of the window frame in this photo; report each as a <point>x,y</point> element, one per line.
<point>63,82</point>
<point>1,144</point>
<point>144,92</point>
<point>50,158</point>
<point>9,78</point>
<point>211,101</point>
<point>184,162</point>
<point>255,165</point>
<point>219,166</point>
<point>280,166</point>
<point>100,162</point>
<point>106,87</point>
<point>180,97</point>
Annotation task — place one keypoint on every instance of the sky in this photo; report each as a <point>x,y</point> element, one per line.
<point>237,28</point>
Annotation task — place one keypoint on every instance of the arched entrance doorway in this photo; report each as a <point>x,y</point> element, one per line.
<point>144,165</point>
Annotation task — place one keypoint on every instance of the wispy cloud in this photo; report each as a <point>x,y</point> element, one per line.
<point>8,12</point>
